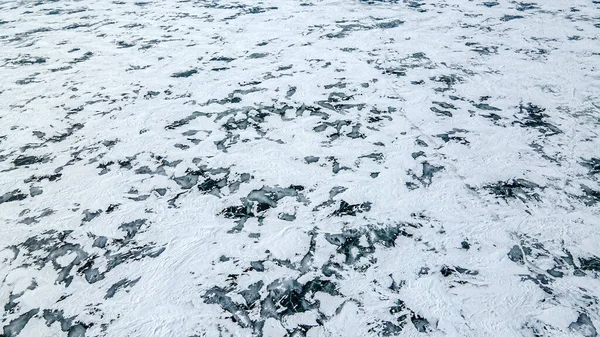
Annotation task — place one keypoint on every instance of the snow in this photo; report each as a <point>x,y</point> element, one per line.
<point>326,168</point>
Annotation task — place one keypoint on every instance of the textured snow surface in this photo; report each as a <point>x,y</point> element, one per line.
<point>294,168</point>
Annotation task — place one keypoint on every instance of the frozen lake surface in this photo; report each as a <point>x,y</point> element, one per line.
<point>297,168</point>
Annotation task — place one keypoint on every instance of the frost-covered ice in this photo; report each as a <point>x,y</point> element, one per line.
<point>295,168</point>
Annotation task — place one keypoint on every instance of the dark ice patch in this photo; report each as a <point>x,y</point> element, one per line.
<point>104,167</point>
<point>258,202</point>
<point>389,24</point>
<point>89,216</point>
<point>282,298</point>
<point>29,160</point>
<point>151,94</point>
<point>427,174</point>
<point>36,219</point>
<point>533,116</point>
<point>516,254</point>
<point>161,191</point>
<point>485,50</point>
<point>521,189</point>
<point>28,60</point>
<point>592,164</point>
<point>257,265</point>
<point>53,316</point>
<point>132,228</point>
<point>123,44</point>
<point>257,55</point>
<point>184,74</point>
<point>441,112</point>
<point>507,17</point>
<point>541,280</point>
<point>268,196</point>
<point>445,105</point>
<point>52,177</point>
<point>291,91</point>
<point>584,326</point>
<point>83,58</point>
<point>492,116</point>
<point>347,209</point>
<point>487,107</point>
<point>590,197</point>
<point>346,30</point>
<point>222,59</point>
<point>212,185</point>
<point>185,120</point>
<point>15,326</point>
<point>112,207</point>
<point>376,156</point>
<point>591,263</point>
<point>447,137</point>
<point>339,85</point>
<point>76,25</point>
<point>420,323</point>
<point>388,329</point>
<point>286,216</point>
<point>525,6</point>
<point>218,295</point>
<point>187,181</point>
<point>447,271</point>
<point>122,284</point>
<point>251,294</point>
<point>449,80</point>
<point>62,136</point>
<point>134,254</point>
<point>349,241</point>
<point>14,195</point>
<point>77,330</point>
<point>100,242</point>
<point>289,297</point>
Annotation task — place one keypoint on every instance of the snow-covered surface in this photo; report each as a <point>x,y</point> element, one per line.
<point>325,168</point>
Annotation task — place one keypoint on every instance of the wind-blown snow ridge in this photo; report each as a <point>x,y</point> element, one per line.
<point>296,168</point>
